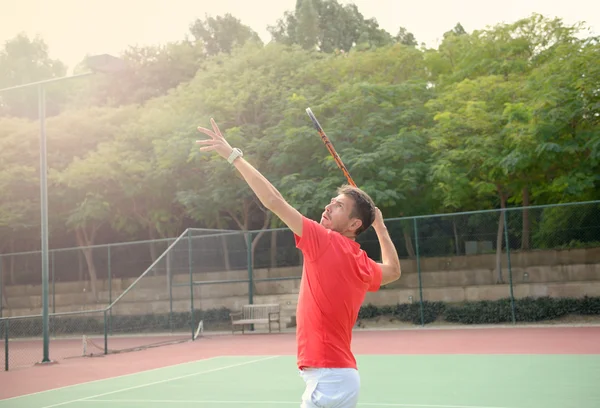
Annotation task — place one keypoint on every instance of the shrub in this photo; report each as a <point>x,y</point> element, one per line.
<point>487,311</point>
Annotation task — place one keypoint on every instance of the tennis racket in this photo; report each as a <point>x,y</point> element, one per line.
<point>330,147</point>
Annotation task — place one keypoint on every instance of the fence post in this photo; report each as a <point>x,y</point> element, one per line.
<point>108,263</point>
<point>419,270</point>
<point>192,320</point>
<point>6,345</point>
<point>52,266</point>
<point>250,271</point>
<point>170,285</point>
<point>105,332</point>
<point>1,287</point>
<point>512,296</point>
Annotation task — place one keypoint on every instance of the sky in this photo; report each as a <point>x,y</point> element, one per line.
<point>74,28</point>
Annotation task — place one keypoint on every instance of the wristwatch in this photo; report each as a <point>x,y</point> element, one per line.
<point>235,153</point>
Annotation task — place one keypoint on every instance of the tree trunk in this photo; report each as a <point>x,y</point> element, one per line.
<point>86,242</point>
<point>499,278</point>
<point>153,255</point>
<point>456,243</point>
<point>3,283</point>
<point>260,235</point>
<point>408,242</point>
<point>79,267</point>
<point>224,246</point>
<point>274,249</point>
<point>152,237</point>
<point>525,238</point>
<point>13,278</point>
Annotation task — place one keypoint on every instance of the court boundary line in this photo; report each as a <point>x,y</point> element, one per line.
<point>367,404</point>
<point>127,375</point>
<point>212,370</point>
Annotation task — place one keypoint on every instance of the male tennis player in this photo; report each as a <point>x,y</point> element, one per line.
<point>337,273</point>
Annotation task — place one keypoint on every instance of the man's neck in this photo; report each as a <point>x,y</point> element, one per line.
<point>349,236</point>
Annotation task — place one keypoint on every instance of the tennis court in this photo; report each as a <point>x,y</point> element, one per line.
<point>478,368</point>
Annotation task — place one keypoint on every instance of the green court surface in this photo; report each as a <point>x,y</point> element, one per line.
<point>436,381</point>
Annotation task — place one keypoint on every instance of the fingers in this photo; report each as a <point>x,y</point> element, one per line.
<point>215,127</point>
<point>216,139</point>
<point>208,132</point>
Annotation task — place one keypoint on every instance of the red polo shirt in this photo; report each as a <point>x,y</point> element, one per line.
<point>336,276</point>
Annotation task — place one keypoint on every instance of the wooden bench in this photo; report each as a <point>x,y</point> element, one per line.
<point>256,314</point>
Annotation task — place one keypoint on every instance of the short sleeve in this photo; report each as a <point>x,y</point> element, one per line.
<point>376,276</point>
<point>315,238</point>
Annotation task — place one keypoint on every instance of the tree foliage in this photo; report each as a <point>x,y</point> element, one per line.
<point>504,116</point>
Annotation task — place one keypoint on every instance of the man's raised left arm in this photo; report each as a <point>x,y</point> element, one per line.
<point>390,265</point>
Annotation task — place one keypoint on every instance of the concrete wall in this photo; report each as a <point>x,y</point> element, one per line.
<point>570,273</point>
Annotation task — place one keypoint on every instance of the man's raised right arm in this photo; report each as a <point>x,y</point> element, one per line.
<point>269,196</point>
<point>264,190</point>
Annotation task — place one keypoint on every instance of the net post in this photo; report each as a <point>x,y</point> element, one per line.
<point>191,282</point>
<point>419,270</point>
<point>512,296</point>
<point>105,331</point>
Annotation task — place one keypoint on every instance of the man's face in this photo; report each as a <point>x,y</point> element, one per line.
<point>336,216</point>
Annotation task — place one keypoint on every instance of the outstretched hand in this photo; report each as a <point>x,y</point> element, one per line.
<point>216,142</point>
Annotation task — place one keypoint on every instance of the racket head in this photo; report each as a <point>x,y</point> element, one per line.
<point>312,117</point>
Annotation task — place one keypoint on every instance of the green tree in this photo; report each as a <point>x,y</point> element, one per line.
<point>222,34</point>
<point>329,26</point>
<point>24,60</point>
<point>85,195</point>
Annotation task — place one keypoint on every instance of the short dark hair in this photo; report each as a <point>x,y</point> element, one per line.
<point>364,207</point>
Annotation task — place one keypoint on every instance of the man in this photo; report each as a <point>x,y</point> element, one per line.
<point>336,276</point>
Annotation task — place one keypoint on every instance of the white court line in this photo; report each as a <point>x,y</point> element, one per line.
<point>363,404</point>
<point>110,378</point>
<point>162,381</point>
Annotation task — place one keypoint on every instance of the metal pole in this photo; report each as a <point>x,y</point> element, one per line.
<point>6,354</point>
<point>512,295</point>
<point>53,269</point>
<point>250,269</point>
<point>105,332</point>
<point>109,289</point>
<point>46,81</point>
<point>1,287</point>
<point>44,214</point>
<point>191,282</point>
<point>170,285</point>
<point>419,271</point>
<point>53,266</point>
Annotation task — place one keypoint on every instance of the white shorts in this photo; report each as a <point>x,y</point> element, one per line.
<point>330,387</point>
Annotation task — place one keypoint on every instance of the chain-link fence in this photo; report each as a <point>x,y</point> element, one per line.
<point>23,341</point>
<point>517,265</point>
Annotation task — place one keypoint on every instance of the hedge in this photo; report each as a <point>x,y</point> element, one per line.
<point>93,323</point>
<point>486,311</point>
<point>480,312</point>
